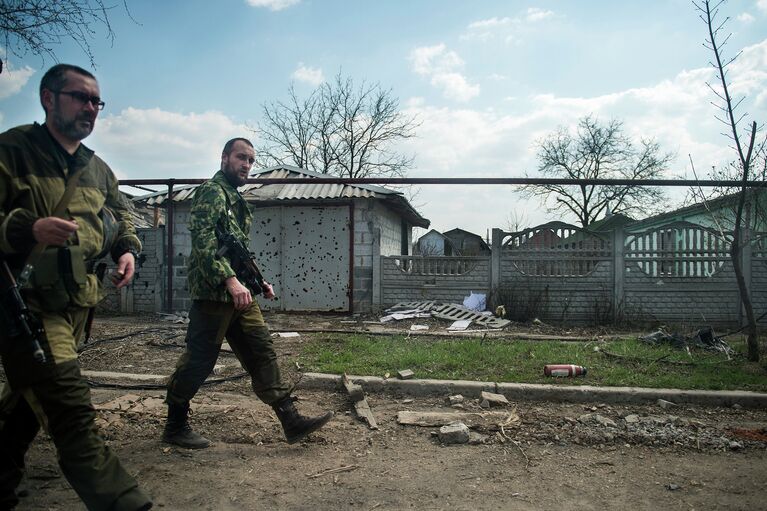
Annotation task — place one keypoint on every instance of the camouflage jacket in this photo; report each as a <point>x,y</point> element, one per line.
<point>216,202</point>
<point>33,177</point>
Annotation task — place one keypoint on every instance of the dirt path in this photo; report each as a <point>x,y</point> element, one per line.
<point>555,456</point>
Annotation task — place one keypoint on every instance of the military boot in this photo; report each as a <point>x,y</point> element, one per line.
<point>295,425</point>
<point>179,432</point>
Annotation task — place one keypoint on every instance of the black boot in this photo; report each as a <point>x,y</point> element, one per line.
<point>295,425</point>
<point>179,432</point>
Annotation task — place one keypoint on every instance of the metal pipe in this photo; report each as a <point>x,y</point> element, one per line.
<point>465,181</point>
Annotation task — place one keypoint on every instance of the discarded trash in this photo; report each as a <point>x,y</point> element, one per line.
<point>703,338</point>
<point>500,311</point>
<point>418,328</point>
<point>475,301</point>
<point>563,370</point>
<point>288,334</point>
<point>405,374</point>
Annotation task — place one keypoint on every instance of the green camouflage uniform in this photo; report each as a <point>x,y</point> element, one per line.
<point>212,316</point>
<point>34,170</point>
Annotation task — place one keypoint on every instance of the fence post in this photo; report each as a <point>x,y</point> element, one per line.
<point>495,260</point>
<point>619,273</point>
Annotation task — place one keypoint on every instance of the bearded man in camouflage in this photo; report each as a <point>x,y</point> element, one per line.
<point>223,307</point>
<point>37,164</point>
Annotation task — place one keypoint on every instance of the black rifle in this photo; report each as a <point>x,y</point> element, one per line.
<point>19,320</point>
<point>242,260</point>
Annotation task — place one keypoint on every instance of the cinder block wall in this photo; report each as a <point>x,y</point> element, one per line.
<point>400,285</point>
<point>682,300</point>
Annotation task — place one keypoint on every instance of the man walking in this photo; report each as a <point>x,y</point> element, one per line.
<point>223,307</point>
<point>52,193</point>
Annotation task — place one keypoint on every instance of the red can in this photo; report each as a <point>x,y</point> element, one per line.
<point>563,370</point>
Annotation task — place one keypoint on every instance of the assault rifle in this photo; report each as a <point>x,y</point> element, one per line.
<point>19,320</point>
<point>242,260</point>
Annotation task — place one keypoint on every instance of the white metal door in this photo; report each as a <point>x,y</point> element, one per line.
<point>304,252</point>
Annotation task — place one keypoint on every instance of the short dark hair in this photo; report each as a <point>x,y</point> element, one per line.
<point>228,146</point>
<point>55,78</point>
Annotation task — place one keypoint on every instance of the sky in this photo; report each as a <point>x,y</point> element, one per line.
<point>486,81</point>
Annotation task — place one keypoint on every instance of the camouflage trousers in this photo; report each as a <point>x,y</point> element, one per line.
<point>211,322</point>
<point>57,398</point>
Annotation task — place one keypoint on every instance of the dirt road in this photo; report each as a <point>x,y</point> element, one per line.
<point>548,456</point>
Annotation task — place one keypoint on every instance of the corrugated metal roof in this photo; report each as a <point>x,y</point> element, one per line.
<point>295,191</point>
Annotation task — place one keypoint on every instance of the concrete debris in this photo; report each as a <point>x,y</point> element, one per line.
<point>595,418</point>
<point>405,374</point>
<point>449,311</point>
<point>355,391</point>
<point>477,438</point>
<point>177,317</point>
<point>361,405</point>
<point>287,334</point>
<point>454,433</point>
<point>461,324</point>
<point>219,368</point>
<point>494,399</point>
<point>665,404</point>
<point>456,399</point>
<point>482,420</point>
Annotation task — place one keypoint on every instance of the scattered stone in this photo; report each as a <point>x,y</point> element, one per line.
<point>631,419</point>
<point>454,433</point>
<point>736,406</point>
<point>405,374</point>
<point>494,399</point>
<point>218,369</point>
<point>407,401</point>
<point>477,438</point>
<point>673,487</point>
<point>735,445</point>
<point>484,403</point>
<point>456,399</point>
<point>665,404</point>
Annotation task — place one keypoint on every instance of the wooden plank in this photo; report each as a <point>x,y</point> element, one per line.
<point>364,412</point>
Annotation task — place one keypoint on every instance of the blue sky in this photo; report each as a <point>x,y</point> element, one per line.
<point>485,79</point>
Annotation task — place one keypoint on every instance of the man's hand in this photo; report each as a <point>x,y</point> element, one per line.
<point>240,294</point>
<point>268,290</point>
<point>126,267</point>
<point>53,230</point>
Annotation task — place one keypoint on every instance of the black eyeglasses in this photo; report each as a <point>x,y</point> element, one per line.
<point>83,98</point>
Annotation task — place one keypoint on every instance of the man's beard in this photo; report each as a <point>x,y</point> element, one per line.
<point>234,176</point>
<point>71,129</point>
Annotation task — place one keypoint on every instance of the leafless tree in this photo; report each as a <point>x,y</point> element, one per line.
<point>36,26</point>
<point>339,129</point>
<point>746,153</point>
<point>598,151</point>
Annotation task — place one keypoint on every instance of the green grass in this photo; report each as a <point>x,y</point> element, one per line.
<point>519,361</point>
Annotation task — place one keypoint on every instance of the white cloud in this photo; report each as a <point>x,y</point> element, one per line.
<point>761,5</point>
<point>677,112</point>
<point>13,80</point>
<point>535,14</point>
<point>505,28</point>
<point>273,5</point>
<point>745,18</point>
<point>310,75</point>
<point>441,65</point>
<point>154,143</point>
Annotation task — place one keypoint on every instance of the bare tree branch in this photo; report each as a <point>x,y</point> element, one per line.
<point>340,129</point>
<point>598,151</point>
<point>37,26</point>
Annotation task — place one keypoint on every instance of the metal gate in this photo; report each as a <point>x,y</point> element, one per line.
<point>304,252</point>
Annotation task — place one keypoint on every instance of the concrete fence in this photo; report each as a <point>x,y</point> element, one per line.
<point>679,273</point>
